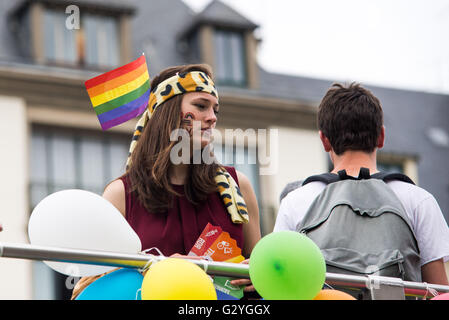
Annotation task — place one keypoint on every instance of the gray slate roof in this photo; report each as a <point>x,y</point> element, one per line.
<point>220,13</point>
<point>156,27</point>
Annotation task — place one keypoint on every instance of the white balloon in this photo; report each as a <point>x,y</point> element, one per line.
<point>79,219</point>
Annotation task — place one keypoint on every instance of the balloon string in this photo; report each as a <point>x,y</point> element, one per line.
<point>137,293</point>
<point>428,289</point>
<point>328,285</point>
<point>151,259</point>
<point>153,248</point>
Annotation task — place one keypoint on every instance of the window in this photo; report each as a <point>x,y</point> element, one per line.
<point>382,165</point>
<point>64,159</point>
<point>94,44</point>
<point>230,57</point>
<point>243,159</point>
<point>101,40</point>
<point>59,41</point>
<point>390,167</point>
<point>191,48</point>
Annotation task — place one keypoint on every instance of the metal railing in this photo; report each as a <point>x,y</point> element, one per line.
<point>380,288</point>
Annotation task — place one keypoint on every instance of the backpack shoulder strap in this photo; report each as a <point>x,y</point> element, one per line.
<point>325,177</point>
<point>385,176</point>
<point>328,177</point>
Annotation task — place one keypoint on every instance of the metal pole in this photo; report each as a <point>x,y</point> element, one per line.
<point>41,253</point>
<point>410,288</point>
<point>31,252</point>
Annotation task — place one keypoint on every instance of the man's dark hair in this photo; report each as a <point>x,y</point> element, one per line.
<point>351,117</point>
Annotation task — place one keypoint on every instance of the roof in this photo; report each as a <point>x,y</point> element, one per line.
<point>156,26</point>
<point>217,12</point>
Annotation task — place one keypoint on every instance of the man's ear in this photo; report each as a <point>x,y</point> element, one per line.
<point>325,141</point>
<point>381,138</point>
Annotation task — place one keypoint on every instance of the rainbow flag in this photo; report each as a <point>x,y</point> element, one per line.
<point>120,94</point>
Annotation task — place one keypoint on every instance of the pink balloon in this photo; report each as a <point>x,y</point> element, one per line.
<point>444,296</point>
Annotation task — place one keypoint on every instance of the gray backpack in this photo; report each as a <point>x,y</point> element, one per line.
<point>361,226</point>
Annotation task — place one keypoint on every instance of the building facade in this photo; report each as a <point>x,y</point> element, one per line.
<point>51,139</point>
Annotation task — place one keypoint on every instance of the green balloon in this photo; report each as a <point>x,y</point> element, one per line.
<point>287,265</point>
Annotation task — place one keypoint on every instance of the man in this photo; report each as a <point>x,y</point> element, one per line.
<point>350,122</point>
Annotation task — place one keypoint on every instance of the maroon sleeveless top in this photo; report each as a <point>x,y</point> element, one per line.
<point>177,230</point>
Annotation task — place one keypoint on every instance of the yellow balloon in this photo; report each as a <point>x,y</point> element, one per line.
<point>177,279</point>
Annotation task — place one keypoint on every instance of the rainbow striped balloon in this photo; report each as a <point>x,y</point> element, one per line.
<point>120,94</point>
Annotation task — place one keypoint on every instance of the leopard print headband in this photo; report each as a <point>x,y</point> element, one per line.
<point>195,81</point>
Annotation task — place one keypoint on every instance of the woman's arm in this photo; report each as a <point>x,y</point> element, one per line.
<point>115,194</point>
<point>251,230</point>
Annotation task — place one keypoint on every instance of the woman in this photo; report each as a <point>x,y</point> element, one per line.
<point>168,203</point>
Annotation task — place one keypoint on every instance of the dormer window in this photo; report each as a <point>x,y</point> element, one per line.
<point>224,39</point>
<point>99,40</point>
<point>230,56</point>
<point>94,44</point>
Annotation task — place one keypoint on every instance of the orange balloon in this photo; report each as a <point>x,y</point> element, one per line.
<point>328,294</point>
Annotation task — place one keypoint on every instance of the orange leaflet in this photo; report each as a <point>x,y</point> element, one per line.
<point>223,248</point>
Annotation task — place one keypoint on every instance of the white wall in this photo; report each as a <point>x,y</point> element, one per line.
<point>300,154</point>
<point>15,274</point>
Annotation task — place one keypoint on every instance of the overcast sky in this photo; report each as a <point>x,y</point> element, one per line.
<point>393,43</point>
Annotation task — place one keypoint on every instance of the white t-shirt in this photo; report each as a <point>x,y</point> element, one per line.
<point>426,218</point>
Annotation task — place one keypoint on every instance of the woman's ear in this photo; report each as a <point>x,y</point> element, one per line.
<point>325,141</point>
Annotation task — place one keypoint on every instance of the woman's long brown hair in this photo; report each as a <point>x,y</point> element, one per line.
<point>148,173</point>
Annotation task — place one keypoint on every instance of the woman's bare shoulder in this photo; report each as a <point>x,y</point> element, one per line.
<point>244,182</point>
<point>115,186</point>
<point>115,194</point>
